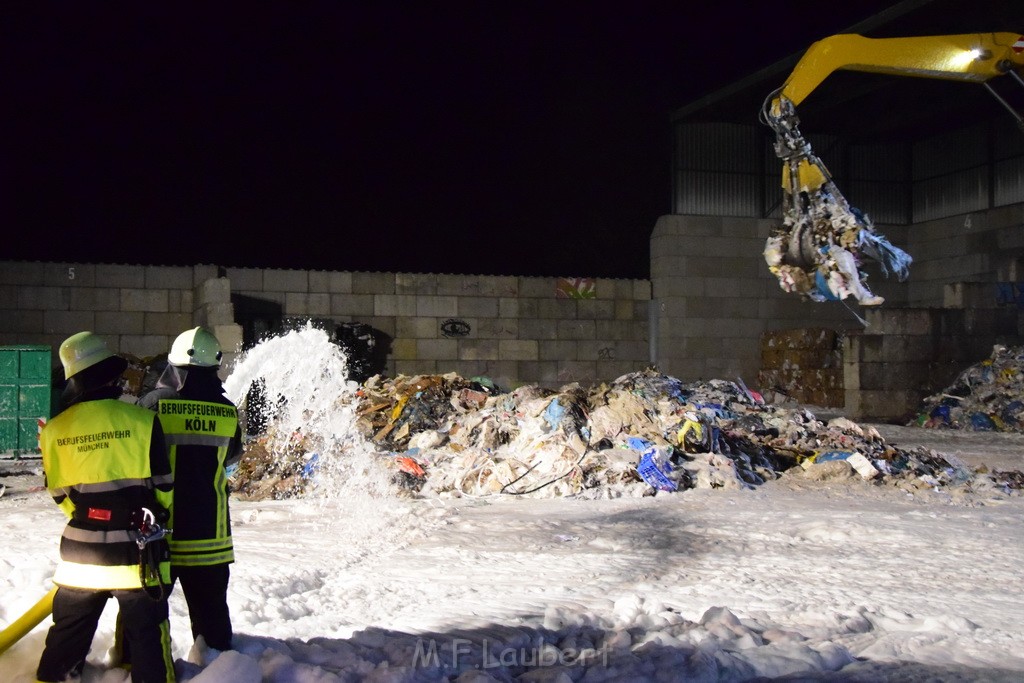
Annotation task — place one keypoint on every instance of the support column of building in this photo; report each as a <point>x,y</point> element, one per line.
<point>214,310</point>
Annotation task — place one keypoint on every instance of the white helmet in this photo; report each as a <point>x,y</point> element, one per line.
<point>198,347</point>
<point>81,351</point>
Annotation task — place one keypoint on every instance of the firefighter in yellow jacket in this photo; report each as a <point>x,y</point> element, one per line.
<point>204,438</point>
<point>106,466</point>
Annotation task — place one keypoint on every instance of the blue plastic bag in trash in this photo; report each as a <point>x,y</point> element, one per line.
<point>310,468</point>
<point>982,422</point>
<point>1011,413</point>
<point>832,455</point>
<point>638,444</point>
<point>822,286</point>
<point>940,412</point>
<point>554,413</point>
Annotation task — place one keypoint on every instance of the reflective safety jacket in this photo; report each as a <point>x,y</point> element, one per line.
<point>203,437</point>
<point>104,461</point>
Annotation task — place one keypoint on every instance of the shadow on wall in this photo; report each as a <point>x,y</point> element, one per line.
<point>366,348</point>
<point>258,318</point>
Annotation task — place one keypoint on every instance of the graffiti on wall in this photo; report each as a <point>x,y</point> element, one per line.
<point>576,288</point>
<point>455,328</point>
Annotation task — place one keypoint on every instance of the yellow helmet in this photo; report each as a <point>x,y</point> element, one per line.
<point>198,347</point>
<point>81,351</point>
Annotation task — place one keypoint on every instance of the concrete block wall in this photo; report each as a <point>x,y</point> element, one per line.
<point>514,330</point>
<point>905,355</point>
<point>715,297</point>
<point>138,310</point>
<point>982,246</point>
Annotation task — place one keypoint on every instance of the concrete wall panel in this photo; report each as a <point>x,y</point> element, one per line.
<point>511,321</point>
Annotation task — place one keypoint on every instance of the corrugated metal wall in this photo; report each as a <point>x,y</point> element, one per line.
<point>716,170</point>
<point>722,169</point>
<point>1008,150</point>
<point>771,181</point>
<point>951,194</point>
<point>878,182</point>
<point>1009,187</point>
<point>951,174</point>
<point>951,152</point>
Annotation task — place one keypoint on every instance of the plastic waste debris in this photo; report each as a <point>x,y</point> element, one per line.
<point>986,396</point>
<point>310,468</point>
<point>982,422</point>
<point>863,466</point>
<point>695,435</point>
<point>554,413</point>
<point>410,466</point>
<point>642,431</point>
<point>655,469</point>
<point>830,455</point>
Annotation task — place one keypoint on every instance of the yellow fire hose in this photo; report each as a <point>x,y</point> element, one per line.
<point>27,621</point>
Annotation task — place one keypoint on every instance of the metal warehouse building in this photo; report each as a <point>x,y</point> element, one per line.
<point>939,167</point>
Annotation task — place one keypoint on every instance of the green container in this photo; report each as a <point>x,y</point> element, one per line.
<point>25,396</point>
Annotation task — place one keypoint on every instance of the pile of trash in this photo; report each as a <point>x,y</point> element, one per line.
<point>988,396</point>
<point>448,436</point>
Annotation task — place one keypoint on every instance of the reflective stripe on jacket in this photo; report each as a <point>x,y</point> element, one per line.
<point>200,437</point>
<point>99,470</point>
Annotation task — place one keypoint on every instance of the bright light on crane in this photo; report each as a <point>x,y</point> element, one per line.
<point>962,59</point>
<point>967,56</point>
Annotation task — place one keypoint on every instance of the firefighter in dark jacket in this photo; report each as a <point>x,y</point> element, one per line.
<point>204,438</point>
<point>106,466</point>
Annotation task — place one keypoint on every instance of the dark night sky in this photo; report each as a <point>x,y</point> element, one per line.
<point>452,137</point>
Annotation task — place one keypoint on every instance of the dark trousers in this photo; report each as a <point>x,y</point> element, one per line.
<point>75,615</point>
<point>206,593</point>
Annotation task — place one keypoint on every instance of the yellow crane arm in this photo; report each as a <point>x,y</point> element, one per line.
<point>973,57</point>
<point>820,233</point>
<point>969,57</point>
